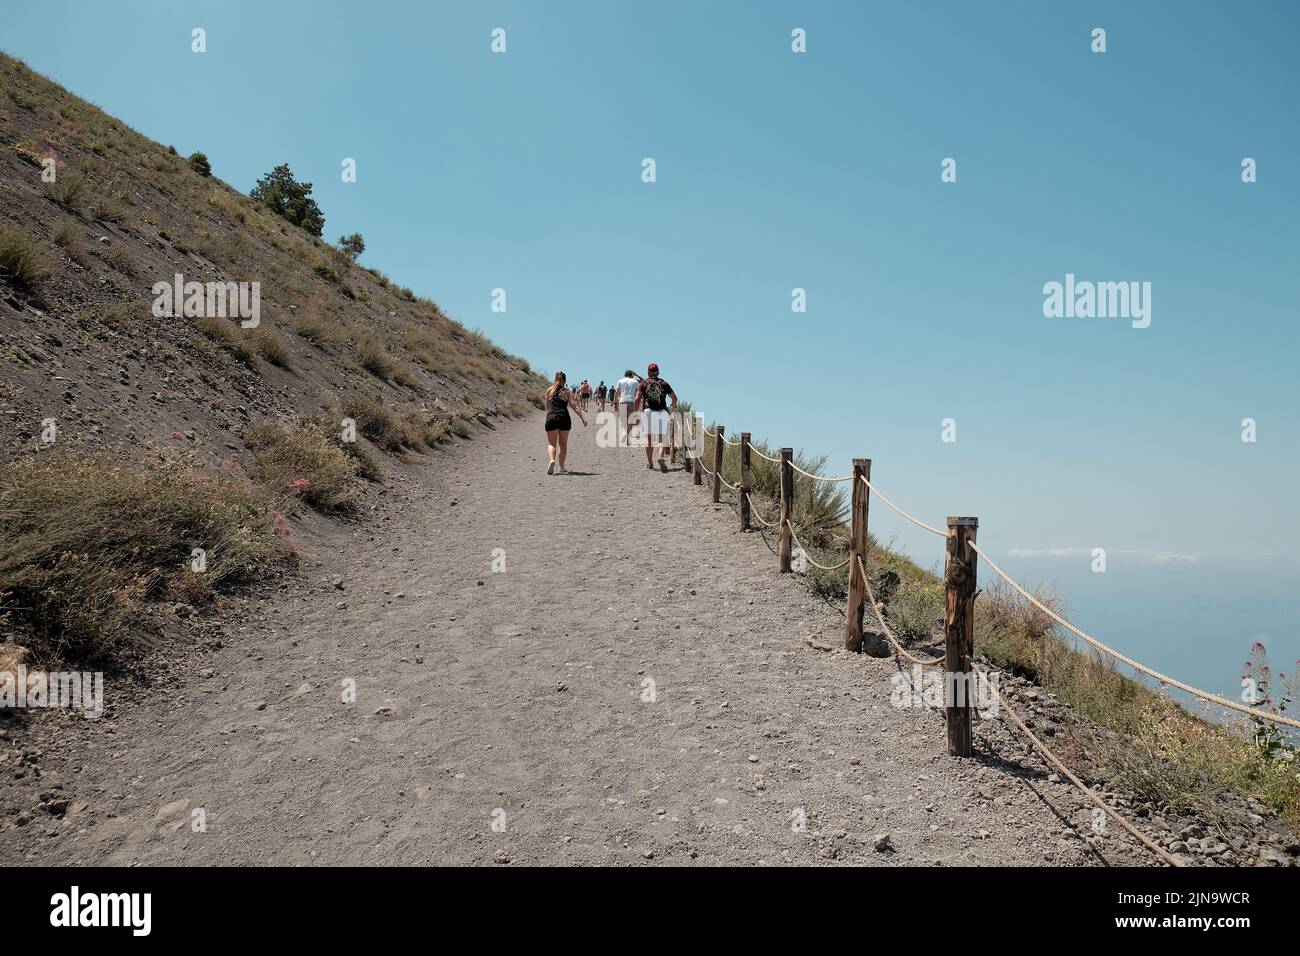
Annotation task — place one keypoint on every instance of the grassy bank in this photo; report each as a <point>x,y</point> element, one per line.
<point>89,539</point>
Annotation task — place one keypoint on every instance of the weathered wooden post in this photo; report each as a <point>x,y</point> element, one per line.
<point>744,481</point>
<point>959,633</point>
<point>854,639</point>
<point>719,449</point>
<point>787,507</point>
<point>697,439</point>
<point>672,439</point>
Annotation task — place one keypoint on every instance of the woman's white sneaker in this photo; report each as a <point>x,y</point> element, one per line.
<point>550,468</point>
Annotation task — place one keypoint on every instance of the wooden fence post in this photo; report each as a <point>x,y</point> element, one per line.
<point>787,507</point>
<point>959,633</point>
<point>744,481</point>
<point>719,451</point>
<point>854,639</point>
<point>697,435</point>
<point>672,439</point>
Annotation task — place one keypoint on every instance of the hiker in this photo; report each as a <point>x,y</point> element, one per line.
<point>625,391</point>
<point>584,393</point>
<point>559,399</point>
<point>600,395</point>
<point>652,402</point>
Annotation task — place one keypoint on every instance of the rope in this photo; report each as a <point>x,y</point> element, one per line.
<point>871,596</point>
<point>1163,678</point>
<point>754,449</point>
<point>790,524</point>
<point>709,433</point>
<point>1084,788</point>
<point>753,513</point>
<point>704,468</point>
<point>727,484</point>
<point>819,477</point>
<point>919,524</point>
<point>729,441</point>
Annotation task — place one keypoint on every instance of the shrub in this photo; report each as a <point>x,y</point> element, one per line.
<point>199,163</point>
<point>87,540</point>
<point>266,343</point>
<point>378,423</point>
<point>66,235</point>
<point>289,199</point>
<point>433,433</point>
<point>225,334</point>
<point>364,462</point>
<point>460,427</point>
<point>119,259</point>
<point>326,272</point>
<point>106,205</point>
<point>352,246</point>
<point>67,189</point>
<point>22,262</point>
<point>374,357</point>
<point>303,460</point>
<point>316,329</point>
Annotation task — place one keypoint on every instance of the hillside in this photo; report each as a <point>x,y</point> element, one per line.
<point>105,396</point>
<point>81,344</point>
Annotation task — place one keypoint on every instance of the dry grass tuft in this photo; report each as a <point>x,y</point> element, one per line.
<point>88,540</point>
<point>303,460</point>
<point>22,262</point>
<point>227,335</point>
<point>267,343</point>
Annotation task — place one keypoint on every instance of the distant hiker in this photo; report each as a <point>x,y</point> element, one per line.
<point>559,399</point>
<point>625,395</point>
<point>584,393</point>
<point>652,402</point>
<point>600,395</point>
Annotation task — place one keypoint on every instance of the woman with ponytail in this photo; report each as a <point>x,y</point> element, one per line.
<point>559,399</point>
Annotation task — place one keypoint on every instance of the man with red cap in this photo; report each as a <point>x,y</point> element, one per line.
<point>652,399</point>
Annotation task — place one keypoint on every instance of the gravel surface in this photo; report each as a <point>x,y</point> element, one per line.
<point>632,686</point>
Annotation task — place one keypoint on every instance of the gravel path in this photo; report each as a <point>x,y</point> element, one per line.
<point>508,716</point>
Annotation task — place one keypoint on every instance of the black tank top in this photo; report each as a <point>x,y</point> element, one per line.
<point>557,405</point>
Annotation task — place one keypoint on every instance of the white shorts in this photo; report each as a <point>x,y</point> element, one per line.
<point>654,423</point>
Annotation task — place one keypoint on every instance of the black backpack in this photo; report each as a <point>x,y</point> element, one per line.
<point>656,391</point>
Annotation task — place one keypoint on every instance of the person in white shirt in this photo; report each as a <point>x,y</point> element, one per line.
<point>625,392</point>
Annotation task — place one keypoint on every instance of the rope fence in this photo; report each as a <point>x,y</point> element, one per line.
<point>959,579</point>
<point>1141,668</point>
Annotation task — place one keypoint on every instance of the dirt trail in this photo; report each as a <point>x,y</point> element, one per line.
<point>516,698</point>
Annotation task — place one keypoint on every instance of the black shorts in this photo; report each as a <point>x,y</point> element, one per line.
<point>559,422</point>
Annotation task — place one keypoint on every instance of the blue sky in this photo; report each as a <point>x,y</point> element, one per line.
<point>820,171</point>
